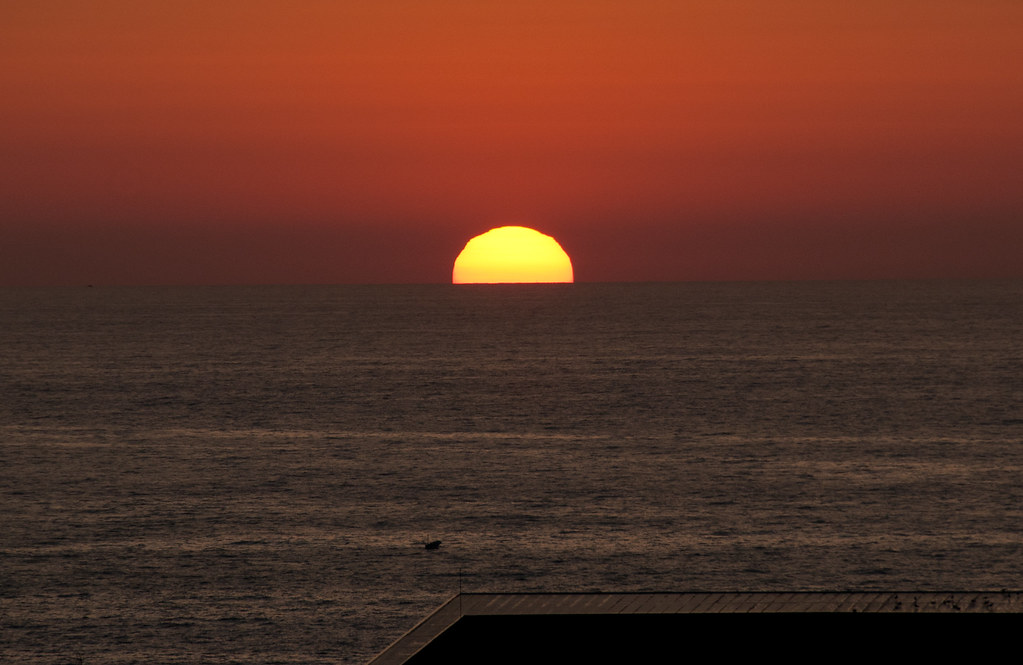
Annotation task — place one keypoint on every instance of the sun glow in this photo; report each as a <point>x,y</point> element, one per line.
<point>512,254</point>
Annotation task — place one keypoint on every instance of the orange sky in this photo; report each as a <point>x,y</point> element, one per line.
<point>333,141</point>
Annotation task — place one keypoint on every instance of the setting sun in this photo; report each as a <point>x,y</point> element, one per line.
<point>512,254</point>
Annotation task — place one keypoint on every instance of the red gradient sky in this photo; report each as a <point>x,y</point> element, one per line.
<point>337,141</point>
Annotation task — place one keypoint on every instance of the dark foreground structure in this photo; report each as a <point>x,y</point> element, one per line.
<point>537,628</point>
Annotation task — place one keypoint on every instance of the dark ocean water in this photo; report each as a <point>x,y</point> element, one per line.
<point>248,474</point>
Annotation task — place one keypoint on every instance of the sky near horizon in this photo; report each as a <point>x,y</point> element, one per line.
<point>317,141</point>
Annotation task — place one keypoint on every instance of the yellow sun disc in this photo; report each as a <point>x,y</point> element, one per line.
<point>512,254</point>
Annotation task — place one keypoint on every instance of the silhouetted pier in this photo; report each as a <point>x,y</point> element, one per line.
<point>607,627</point>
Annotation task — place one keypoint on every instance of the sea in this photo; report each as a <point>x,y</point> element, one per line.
<point>251,474</point>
